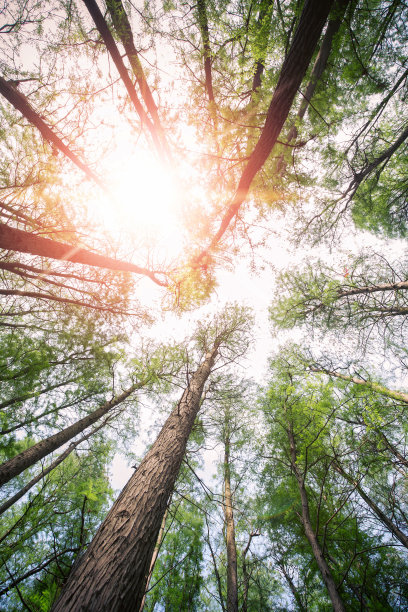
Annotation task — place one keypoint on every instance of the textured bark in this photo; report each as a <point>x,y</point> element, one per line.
<point>311,23</point>
<point>20,103</point>
<point>397,395</point>
<point>13,239</point>
<point>232,577</point>
<point>371,504</point>
<point>107,37</point>
<point>111,576</point>
<point>337,603</point>
<point>29,457</point>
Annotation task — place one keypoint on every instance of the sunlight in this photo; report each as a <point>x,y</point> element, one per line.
<point>143,201</point>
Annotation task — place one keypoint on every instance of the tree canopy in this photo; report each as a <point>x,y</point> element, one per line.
<point>156,158</point>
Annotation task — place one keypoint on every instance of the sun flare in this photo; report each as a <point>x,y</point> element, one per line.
<point>143,201</point>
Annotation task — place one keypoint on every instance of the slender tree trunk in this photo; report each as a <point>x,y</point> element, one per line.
<point>232,577</point>
<point>29,457</point>
<point>397,395</point>
<point>318,68</point>
<point>371,504</point>
<point>337,603</point>
<point>154,557</point>
<point>12,500</point>
<point>111,576</point>
<point>292,587</point>
<point>392,448</point>
<point>124,31</point>
<point>12,239</point>
<point>203,23</point>
<point>109,41</point>
<point>20,103</point>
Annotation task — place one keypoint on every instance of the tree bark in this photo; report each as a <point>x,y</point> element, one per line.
<point>111,576</point>
<point>232,577</point>
<point>13,239</point>
<point>337,603</point>
<point>30,456</point>
<point>371,504</point>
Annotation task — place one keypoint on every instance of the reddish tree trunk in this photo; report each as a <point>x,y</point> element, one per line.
<point>13,239</point>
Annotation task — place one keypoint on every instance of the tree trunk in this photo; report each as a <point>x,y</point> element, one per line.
<point>203,23</point>
<point>13,239</point>
<point>20,103</point>
<point>311,23</point>
<point>232,577</point>
<point>124,31</point>
<point>109,41</point>
<point>371,504</point>
<point>111,576</point>
<point>318,68</point>
<point>337,603</point>
<point>12,500</point>
<point>29,457</point>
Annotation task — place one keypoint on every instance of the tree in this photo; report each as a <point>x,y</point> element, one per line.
<point>137,514</point>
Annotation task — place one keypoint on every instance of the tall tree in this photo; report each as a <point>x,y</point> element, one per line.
<point>137,514</point>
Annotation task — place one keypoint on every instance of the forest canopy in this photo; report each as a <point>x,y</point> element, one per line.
<point>173,174</point>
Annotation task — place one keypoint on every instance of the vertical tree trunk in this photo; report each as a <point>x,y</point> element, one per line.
<point>337,603</point>
<point>111,576</point>
<point>232,578</point>
<point>30,456</point>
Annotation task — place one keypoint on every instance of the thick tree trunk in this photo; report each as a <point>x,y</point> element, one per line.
<point>371,504</point>
<point>29,457</point>
<point>111,576</point>
<point>12,239</point>
<point>311,23</point>
<point>337,603</point>
<point>232,577</point>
